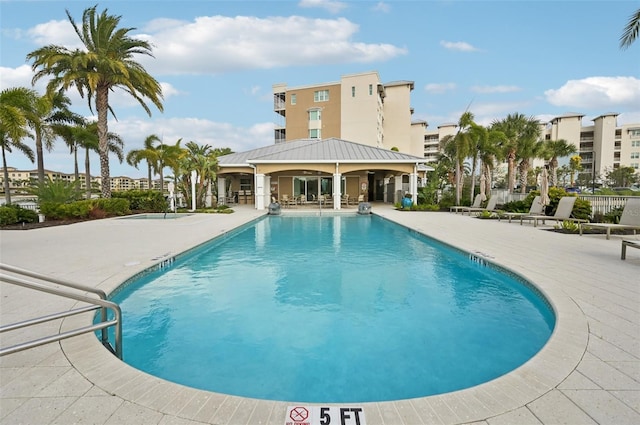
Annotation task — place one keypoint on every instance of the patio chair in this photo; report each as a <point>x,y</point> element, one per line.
<point>563,213</point>
<point>630,218</point>
<point>477,203</point>
<point>344,200</point>
<point>536,209</point>
<point>491,207</point>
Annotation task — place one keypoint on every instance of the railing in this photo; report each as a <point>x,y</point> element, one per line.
<point>18,278</point>
<point>602,204</point>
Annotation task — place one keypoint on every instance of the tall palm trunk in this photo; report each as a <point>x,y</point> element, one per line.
<point>40,158</point>
<point>511,159</point>
<point>87,173</point>
<point>553,165</point>
<point>523,167</point>
<point>102,106</point>
<point>76,171</point>
<point>488,181</point>
<point>150,176</point>
<point>7,191</point>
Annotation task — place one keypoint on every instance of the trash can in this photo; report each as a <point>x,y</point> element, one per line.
<point>274,209</point>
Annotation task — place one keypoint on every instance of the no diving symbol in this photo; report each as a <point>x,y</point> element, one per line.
<point>299,414</point>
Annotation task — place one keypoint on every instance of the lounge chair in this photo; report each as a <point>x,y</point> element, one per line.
<point>625,244</point>
<point>536,209</point>
<point>477,203</point>
<point>563,213</point>
<point>630,218</point>
<point>491,207</point>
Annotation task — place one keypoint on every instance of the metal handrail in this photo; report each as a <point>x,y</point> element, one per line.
<point>95,304</point>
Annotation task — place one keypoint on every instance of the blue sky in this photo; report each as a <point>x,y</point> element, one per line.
<point>217,61</point>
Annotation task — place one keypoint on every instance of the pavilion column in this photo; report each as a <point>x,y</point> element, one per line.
<point>413,187</point>
<point>222,191</point>
<point>260,184</point>
<point>337,194</point>
<point>397,197</point>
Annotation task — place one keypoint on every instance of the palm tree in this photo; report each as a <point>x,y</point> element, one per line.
<point>519,132</point>
<point>169,156</point>
<point>557,149</point>
<point>528,148</point>
<point>149,154</point>
<point>89,140</point>
<point>631,30</point>
<point>46,112</point>
<point>459,147</point>
<point>488,143</point>
<point>204,161</point>
<point>105,64</point>
<point>14,107</point>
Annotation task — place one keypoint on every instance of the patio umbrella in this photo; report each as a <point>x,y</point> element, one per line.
<point>544,187</point>
<point>483,190</point>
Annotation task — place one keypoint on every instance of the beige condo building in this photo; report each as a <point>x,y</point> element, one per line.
<point>358,108</point>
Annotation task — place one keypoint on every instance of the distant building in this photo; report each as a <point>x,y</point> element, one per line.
<point>603,146</point>
<point>19,179</point>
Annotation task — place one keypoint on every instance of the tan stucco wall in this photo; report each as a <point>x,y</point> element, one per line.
<point>297,116</point>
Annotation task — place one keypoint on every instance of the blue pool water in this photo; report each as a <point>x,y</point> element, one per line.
<point>330,309</point>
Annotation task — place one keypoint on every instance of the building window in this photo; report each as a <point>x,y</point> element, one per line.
<point>321,96</point>
<point>315,115</point>
<point>293,99</point>
<point>635,165</point>
<point>635,143</point>
<point>245,184</point>
<point>370,89</point>
<point>353,91</point>
<point>314,133</point>
<point>634,133</point>
<point>635,155</point>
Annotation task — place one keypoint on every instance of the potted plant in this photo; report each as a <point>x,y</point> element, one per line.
<point>407,201</point>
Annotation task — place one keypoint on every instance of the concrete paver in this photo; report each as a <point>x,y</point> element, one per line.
<point>588,373</point>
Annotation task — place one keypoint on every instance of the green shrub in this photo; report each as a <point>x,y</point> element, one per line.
<point>79,209</point>
<point>57,191</point>
<point>569,226</point>
<point>112,206</point>
<point>53,210</point>
<point>8,215</point>
<point>517,206</point>
<point>25,215</point>
<point>613,216</point>
<point>143,200</point>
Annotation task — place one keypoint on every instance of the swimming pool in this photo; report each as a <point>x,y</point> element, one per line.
<point>330,309</point>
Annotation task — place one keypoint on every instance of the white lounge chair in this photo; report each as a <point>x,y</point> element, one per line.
<point>630,218</point>
<point>491,207</point>
<point>477,203</point>
<point>563,213</point>
<point>536,209</point>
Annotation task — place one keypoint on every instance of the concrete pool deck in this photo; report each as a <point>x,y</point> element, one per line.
<point>588,373</point>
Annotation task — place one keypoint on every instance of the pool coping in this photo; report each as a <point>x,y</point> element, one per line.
<point>539,375</point>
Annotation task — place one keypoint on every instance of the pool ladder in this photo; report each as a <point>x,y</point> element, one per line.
<point>20,277</point>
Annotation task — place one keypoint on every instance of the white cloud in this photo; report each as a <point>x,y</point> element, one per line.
<point>218,44</point>
<point>439,88</point>
<point>59,32</point>
<point>460,46</point>
<point>18,77</point>
<point>597,93</point>
<point>382,7</point>
<point>329,5</point>
<point>495,89</point>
